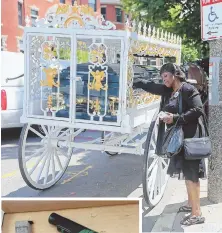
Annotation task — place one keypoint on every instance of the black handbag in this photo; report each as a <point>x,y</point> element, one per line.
<point>198,148</point>
<point>174,136</point>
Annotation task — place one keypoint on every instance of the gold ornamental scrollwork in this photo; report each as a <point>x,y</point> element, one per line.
<point>96,84</point>
<point>113,100</point>
<point>50,75</point>
<point>95,106</point>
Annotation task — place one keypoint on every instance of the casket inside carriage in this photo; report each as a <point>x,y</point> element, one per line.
<point>79,70</point>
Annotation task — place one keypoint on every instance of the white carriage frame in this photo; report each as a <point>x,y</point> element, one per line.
<point>128,124</point>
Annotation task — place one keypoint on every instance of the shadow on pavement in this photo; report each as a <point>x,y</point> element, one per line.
<point>106,176</point>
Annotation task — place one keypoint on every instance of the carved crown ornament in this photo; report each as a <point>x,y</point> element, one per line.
<point>76,16</point>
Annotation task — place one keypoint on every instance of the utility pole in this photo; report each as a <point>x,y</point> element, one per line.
<point>215,122</point>
<point>211,25</point>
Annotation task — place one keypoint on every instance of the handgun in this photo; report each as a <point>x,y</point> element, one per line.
<point>66,225</point>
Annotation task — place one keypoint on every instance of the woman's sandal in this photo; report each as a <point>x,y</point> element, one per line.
<point>185,218</point>
<point>192,220</point>
<point>185,209</point>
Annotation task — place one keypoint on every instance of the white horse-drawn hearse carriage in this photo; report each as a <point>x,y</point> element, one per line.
<point>79,75</point>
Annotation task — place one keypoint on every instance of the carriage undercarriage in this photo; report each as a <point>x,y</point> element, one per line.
<point>55,145</point>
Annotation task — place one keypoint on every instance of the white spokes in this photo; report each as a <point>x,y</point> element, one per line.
<point>44,130</point>
<point>58,160</point>
<point>47,168</point>
<point>157,170</point>
<point>152,165</point>
<point>157,179</point>
<point>36,132</point>
<point>43,161</point>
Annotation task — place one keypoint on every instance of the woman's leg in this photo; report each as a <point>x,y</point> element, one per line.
<point>194,193</point>
<point>188,194</point>
<point>198,196</point>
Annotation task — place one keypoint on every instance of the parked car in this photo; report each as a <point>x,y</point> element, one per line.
<point>12,89</point>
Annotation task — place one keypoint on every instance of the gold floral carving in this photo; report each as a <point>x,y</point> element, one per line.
<point>95,106</point>
<point>75,13</point>
<point>62,9</point>
<point>113,101</point>
<point>98,53</point>
<point>146,48</point>
<point>49,102</point>
<point>49,52</point>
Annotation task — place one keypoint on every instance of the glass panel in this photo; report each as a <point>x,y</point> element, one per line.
<point>119,15</point>
<point>34,12</point>
<point>21,45</point>
<point>20,16</point>
<point>92,4</point>
<point>49,72</point>
<point>98,73</point>
<point>103,12</point>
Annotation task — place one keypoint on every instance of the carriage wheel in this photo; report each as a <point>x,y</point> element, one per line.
<point>42,163</point>
<point>155,168</point>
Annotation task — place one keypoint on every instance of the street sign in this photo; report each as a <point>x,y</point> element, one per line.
<point>211,19</point>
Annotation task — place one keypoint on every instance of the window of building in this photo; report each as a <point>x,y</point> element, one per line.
<point>19,44</point>
<point>20,14</point>
<point>4,43</point>
<point>34,16</point>
<point>103,12</point>
<point>119,15</point>
<point>63,1</point>
<point>92,4</point>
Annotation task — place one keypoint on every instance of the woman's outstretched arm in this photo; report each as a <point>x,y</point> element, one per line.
<point>153,88</point>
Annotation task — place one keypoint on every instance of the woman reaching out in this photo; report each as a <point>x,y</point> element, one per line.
<point>174,82</point>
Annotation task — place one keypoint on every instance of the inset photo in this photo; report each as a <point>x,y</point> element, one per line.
<point>70,216</point>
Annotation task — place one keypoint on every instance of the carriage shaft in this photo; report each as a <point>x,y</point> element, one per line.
<point>101,147</point>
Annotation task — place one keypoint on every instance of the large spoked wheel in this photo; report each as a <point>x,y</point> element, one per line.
<point>155,168</point>
<point>41,161</point>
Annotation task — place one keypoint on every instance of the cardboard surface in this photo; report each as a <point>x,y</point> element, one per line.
<point>42,205</point>
<point>120,218</point>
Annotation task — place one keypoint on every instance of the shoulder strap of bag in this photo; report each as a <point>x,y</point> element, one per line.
<point>205,123</point>
<point>181,99</point>
<point>180,104</point>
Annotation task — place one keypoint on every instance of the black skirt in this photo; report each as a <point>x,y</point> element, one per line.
<point>187,169</point>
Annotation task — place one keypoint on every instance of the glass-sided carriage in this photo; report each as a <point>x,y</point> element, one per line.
<point>79,75</point>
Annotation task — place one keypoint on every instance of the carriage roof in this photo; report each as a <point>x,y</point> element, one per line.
<point>144,40</point>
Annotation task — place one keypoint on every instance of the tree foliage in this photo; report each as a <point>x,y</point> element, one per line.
<point>189,53</point>
<point>181,17</point>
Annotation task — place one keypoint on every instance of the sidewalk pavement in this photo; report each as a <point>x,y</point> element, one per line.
<point>169,220</point>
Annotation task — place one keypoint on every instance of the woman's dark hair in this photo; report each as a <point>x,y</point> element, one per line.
<point>173,69</point>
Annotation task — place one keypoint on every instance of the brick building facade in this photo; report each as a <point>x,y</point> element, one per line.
<point>15,11</point>
<point>111,10</point>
